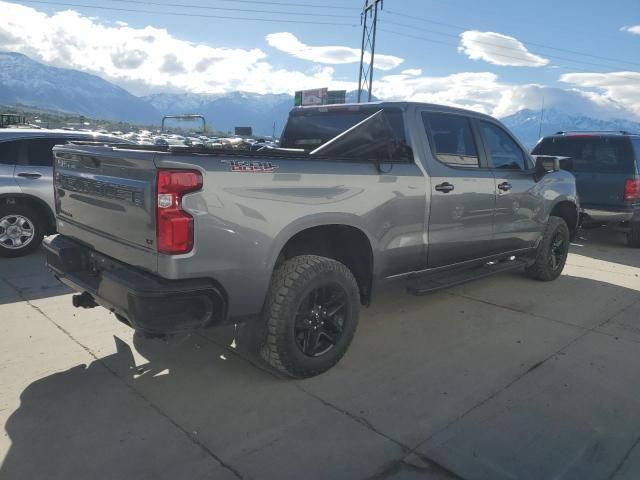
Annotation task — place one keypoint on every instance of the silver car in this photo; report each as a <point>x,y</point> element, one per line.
<point>26,185</point>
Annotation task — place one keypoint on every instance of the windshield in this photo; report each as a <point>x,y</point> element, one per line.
<point>310,129</point>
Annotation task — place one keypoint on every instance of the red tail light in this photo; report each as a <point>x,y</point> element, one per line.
<point>174,226</point>
<point>632,189</point>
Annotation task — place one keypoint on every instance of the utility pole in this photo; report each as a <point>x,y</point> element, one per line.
<point>369,20</point>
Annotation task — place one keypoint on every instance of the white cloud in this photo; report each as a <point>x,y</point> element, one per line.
<point>486,93</point>
<point>332,55</point>
<point>635,29</point>
<point>147,59</point>
<point>498,49</point>
<point>616,88</point>
<point>414,72</point>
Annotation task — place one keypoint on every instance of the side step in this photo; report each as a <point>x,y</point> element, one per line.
<point>453,278</point>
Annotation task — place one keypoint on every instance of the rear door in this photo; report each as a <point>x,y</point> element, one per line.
<point>9,151</point>
<point>462,191</point>
<point>518,203</point>
<point>613,165</point>
<point>34,170</point>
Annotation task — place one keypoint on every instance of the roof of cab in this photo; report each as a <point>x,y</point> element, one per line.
<point>594,133</point>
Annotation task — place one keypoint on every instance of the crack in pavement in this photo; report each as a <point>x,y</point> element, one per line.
<point>196,441</point>
<point>406,450</point>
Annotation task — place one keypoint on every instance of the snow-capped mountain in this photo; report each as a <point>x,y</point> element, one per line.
<point>26,82</point>
<point>525,124</point>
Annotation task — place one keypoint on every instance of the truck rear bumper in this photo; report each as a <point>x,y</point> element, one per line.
<point>609,215</point>
<point>149,303</point>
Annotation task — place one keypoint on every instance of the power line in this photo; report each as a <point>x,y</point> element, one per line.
<point>229,9</point>
<point>541,45</point>
<point>502,47</point>
<point>265,2</point>
<point>564,67</point>
<point>192,15</point>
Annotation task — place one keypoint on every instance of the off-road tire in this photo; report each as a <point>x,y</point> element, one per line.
<point>292,281</point>
<point>542,269</point>
<point>633,235</point>
<point>38,227</point>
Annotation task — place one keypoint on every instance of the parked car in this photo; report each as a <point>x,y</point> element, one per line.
<point>607,170</point>
<point>292,241</point>
<point>26,185</point>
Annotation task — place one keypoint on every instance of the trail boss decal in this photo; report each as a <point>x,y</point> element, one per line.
<point>251,167</point>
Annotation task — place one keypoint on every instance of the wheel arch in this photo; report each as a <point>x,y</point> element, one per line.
<point>568,211</point>
<point>39,205</point>
<point>340,240</point>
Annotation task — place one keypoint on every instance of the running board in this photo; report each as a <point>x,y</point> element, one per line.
<point>459,277</point>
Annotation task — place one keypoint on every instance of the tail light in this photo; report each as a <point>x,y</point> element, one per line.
<point>632,189</point>
<point>174,226</point>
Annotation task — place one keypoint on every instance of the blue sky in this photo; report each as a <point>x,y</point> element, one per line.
<point>458,57</point>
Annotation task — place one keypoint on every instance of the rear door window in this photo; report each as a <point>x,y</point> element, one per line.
<point>504,152</point>
<point>452,139</point>
<point>39,152</point>
<point>11,152</point>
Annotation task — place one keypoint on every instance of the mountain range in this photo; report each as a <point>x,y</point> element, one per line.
<point>26,82</point>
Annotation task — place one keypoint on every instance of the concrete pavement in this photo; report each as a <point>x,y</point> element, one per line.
<point>498,379</point>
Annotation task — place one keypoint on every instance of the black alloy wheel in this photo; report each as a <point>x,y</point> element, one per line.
<point>320,320</point>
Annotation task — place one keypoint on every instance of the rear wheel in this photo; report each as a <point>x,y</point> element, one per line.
<point>311,315</point>
<point>21,230</point>
<point>633,236</point>
<point>552,252</point>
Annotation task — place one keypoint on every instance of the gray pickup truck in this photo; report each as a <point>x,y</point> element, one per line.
<point>292,241</point>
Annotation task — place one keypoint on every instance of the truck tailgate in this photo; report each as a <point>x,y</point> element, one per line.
<point>105,198</point>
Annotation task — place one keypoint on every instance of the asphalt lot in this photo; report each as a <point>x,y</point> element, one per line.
<point>504,378</point>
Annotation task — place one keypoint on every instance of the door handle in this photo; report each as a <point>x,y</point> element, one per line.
<point>32,175</point>
<point>505,186</point>
<point>445,187</point>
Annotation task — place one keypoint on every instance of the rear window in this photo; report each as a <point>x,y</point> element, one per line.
<point>309,130</point>
<point>609,154</point>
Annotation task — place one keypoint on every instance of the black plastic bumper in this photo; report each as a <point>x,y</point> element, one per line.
<point>149,303</point>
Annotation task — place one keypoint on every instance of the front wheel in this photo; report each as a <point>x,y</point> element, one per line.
<point>21,230</point>
<point>311,315</point>
<point>552,252</point>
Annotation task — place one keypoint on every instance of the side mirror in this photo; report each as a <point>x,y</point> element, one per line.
<point>547,164</point>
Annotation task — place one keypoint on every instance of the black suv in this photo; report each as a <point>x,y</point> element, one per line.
<point>607,170</point>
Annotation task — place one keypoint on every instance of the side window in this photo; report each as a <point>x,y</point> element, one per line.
<point>10,152</point>
<point>504,152</point>
<point>39,152</point>
<point>452,139</point>
<point>613,155</point>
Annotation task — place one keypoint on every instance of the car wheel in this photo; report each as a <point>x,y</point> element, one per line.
<point>633,236</point>
<point>552,252</point>
<point>21,230</point>
<point>311,315</point>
